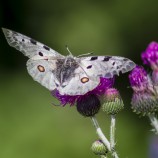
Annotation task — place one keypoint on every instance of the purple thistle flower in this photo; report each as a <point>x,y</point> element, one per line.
<point>144,103</point>
<point>99,90</point>
<point>150,55</point>
<point>144,100</point>
<point>89,103</point>
<point>139,79</point>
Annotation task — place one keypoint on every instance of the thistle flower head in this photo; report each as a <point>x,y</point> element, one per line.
<point>139,79</point>
<point>89,103</point>
<point>150,55</point>
<point>99,90</point>
<point>144,103</point>
<point>144,100</point>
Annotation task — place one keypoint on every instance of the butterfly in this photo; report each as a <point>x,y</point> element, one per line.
<point>68,74</point>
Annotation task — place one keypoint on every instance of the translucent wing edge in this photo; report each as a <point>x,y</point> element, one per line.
<point>13,42</point>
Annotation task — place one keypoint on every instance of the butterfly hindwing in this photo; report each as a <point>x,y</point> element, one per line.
<point>79,84</point>
<point>28,46</point>
<point>106,66</point>
<point>87,75</point>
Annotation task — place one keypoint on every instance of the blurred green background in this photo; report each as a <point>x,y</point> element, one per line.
<point>30,126</point>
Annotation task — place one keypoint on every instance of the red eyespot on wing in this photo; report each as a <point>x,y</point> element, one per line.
<point>40,68</point>
<point>84,79</point>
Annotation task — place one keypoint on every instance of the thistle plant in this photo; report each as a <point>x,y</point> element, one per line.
<point>86,82</point>
<point>108,99</point>
<point>104,97</point>
<point>145,87</point>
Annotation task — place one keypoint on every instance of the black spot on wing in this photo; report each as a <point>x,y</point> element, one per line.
<point>94,58</point>
<point>90,66</point>
<point>46,48</point>
<point>40,53</point>
<point>23,40</point>
<point>106,58</point>
<point>33,41</point>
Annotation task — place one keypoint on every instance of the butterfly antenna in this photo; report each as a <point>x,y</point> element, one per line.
<point>85,54</point>
<point>70,54</point>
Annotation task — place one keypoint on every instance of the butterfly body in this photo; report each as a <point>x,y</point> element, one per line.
<point>65,69</point>
<point>68,74</point>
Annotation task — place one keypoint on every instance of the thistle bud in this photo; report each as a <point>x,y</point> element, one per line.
<point>99,148</point>
<point>113,103</point>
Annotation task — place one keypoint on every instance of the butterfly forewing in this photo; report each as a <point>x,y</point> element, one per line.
<point>106,66</point>
<point>42,60</point>
<point>28,46</point>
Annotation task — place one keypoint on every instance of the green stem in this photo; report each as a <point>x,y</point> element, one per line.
<point>100,133</point>
<point>102,136</point>
<point>112,136</point>
<point>112,131</point>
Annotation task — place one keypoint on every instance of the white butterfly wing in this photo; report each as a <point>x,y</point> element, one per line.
<point>42,72</point>
<point>28,46</point>
<point>80,84</point>
<point>91,69</point>
<point>106,66</point>
<point>42,60</point>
